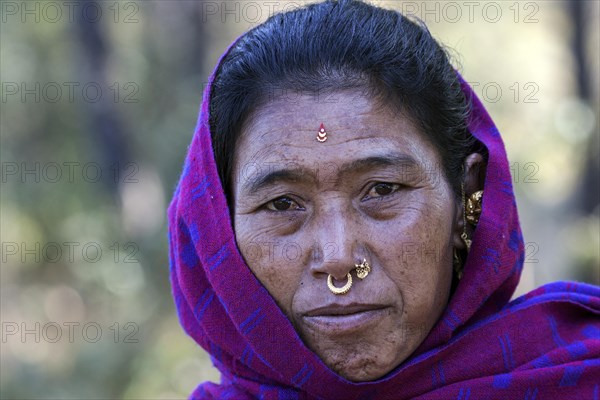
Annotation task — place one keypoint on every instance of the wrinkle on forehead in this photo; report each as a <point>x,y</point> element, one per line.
<point>292,111</point>
<point>284,132</point>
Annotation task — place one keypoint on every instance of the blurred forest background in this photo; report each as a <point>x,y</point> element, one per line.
<point>99,103</point>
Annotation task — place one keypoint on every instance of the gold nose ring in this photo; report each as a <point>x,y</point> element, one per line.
<point>362,270</point>
<point>340,290</point>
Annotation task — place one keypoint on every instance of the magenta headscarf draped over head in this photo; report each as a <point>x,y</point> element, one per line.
<point>543,345</point>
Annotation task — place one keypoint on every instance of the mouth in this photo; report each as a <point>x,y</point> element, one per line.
<point>344,319</point>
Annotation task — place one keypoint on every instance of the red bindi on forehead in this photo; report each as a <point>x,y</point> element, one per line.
<point>322,134</point>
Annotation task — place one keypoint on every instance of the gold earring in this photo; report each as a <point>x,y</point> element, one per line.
<point>464,236</point>
<point>472,211</point>
<point>457,263</point>
<point>473,207</point>
<point>340,290</point>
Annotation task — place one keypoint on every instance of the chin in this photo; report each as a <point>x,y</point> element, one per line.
<point>363,369</point>
<point>362,374</point>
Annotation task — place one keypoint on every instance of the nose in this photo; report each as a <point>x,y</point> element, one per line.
<point>337,245</point>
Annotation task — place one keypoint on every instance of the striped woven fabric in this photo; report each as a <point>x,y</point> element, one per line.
<point>543,345</point>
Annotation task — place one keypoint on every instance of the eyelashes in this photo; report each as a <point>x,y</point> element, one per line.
<point>283,203</point>
<point>377,191</point>
<point>382,189</point>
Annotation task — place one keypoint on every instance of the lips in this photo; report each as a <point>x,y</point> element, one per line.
<point>337,319</point>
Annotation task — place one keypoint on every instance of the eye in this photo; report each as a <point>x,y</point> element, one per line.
<point>283,203</point>
<point>382,189</point>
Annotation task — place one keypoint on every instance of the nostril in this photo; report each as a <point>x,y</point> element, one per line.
<point>338,270</point>
<point>335,258</point>
<point>340,279</point>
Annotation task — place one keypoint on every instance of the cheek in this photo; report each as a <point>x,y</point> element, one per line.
<point>274,262</point>
<point>419,248</point>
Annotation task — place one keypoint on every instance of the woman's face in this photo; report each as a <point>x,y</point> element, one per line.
<point>305,210</point>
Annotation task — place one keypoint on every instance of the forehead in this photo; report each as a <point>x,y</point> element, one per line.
<point>285,129</point>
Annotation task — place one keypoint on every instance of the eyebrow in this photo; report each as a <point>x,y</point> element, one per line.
<point>260,181</point>
<point>391,159</point>
<point>295,175</point>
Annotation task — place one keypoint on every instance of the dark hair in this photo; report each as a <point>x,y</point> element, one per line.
<point>338,45</point>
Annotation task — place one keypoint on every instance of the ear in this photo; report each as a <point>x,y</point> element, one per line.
<point>474,177</point>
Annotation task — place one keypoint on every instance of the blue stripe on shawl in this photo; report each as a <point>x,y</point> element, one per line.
<point>252,321</point>
<point>216,259</point>
<point>502,381</point>
<point>303,375</point>
<point>577,350</point>
<point>571,375</point>
<point>203,302</point>
<point>200,189</point>
<point>555,335</point>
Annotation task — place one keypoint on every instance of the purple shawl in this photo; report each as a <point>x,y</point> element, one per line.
<point>543,345</point>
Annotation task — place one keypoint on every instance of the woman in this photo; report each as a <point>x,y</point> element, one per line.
<point>345,227</point>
